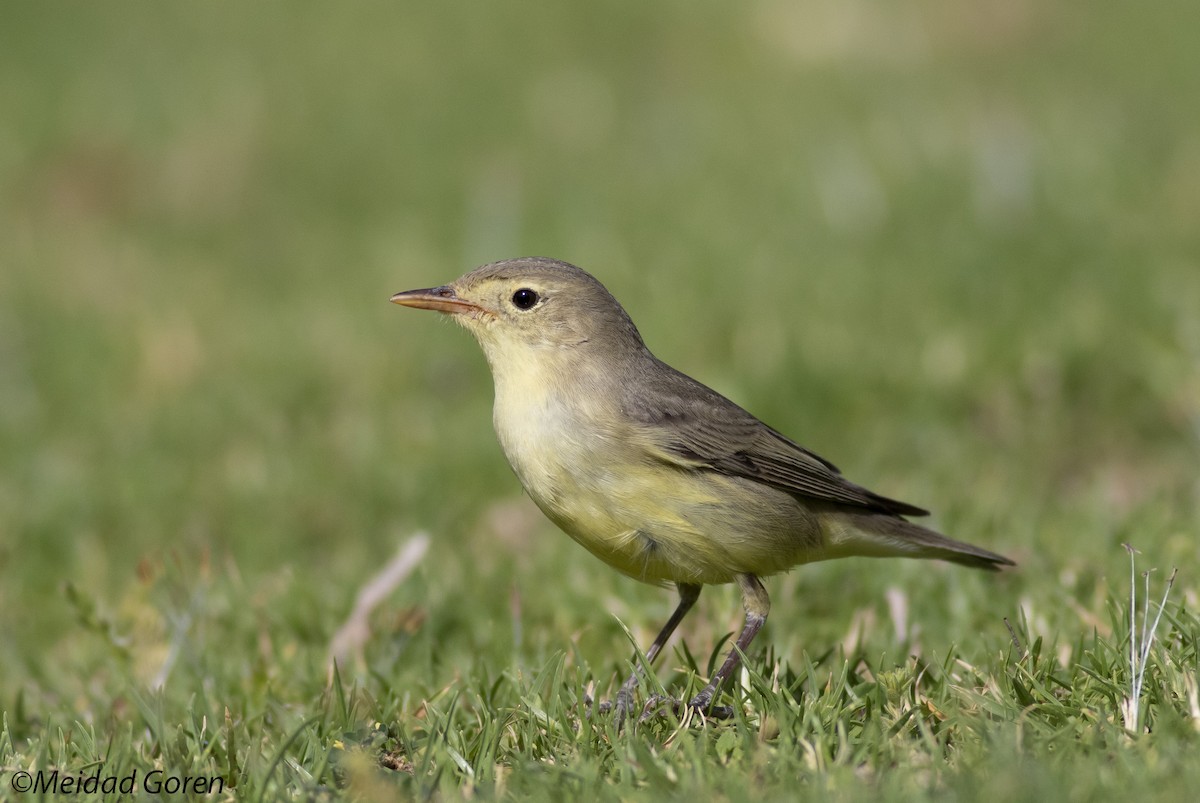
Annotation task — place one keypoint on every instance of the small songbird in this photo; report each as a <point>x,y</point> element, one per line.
<point>659,476</point>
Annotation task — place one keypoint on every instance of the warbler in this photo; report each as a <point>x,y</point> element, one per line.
<point>656,474</point>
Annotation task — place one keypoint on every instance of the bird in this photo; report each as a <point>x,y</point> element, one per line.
<point>656,474</point>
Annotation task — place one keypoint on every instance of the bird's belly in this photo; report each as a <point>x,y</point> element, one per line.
<point>659,523</point>
<point>650,520</point>
<point>620,524</point>
<point>578,488</point>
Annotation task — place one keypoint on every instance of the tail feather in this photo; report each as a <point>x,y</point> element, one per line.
<point>887,536</point>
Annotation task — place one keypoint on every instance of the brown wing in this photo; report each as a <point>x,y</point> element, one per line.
<point>694,426</point>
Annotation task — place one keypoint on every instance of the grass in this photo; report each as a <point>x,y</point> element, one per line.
<point>953,250</point>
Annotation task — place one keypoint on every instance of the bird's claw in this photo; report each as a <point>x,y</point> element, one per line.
<point>621,707</point>
<point>700,704</point>
<point>658,705</point>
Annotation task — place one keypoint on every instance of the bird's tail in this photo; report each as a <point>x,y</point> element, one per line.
<point>875,535</point>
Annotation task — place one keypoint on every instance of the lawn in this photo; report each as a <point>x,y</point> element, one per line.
<point>953,248</point>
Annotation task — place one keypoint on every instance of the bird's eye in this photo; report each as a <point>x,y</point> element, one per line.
<point>524,298</point>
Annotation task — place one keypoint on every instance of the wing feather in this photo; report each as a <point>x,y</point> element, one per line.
<point>693,426</point>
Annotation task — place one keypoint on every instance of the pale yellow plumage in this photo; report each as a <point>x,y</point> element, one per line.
<point>657,475</point>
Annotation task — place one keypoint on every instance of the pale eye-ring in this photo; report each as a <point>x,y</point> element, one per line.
<point>525,298</point>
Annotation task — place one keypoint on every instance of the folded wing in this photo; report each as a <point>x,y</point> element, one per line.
<point>693,426</point>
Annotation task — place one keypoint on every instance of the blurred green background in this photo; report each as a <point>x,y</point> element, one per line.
<point>952,247</point>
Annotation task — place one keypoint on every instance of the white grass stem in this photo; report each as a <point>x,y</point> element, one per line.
<point>1141,641</point>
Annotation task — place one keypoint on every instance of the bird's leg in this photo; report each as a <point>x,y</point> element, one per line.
<point>757,605</point>
<point>688,594</point>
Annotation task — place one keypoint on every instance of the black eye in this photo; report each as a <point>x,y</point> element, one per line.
<point>524,298</point>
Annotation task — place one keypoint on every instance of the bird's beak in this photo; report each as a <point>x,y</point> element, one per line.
<point>442,299</point>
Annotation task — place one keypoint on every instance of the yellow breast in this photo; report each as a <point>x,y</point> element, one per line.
<point>591,475</point>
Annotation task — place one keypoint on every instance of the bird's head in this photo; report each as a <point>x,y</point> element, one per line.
<point>522,306</point>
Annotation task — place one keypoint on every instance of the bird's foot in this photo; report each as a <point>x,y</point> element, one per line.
<point>700,704</point>
<point>621,708</point>
<point>658,705</point>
